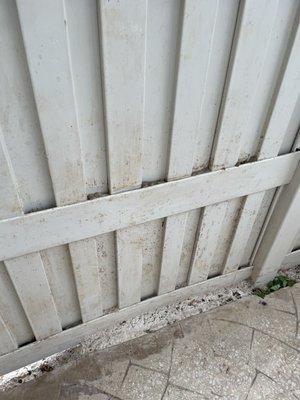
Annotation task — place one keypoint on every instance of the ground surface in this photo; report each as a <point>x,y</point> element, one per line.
<point>245,350</point>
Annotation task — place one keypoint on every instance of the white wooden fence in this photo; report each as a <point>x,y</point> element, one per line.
<point>142,143</point>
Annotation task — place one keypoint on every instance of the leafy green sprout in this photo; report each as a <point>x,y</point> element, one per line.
<point>277,283</point>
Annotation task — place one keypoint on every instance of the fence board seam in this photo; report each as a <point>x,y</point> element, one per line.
<point>61,225</point>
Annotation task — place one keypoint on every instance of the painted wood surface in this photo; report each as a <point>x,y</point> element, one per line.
<point>35,295</point>
<point>7,342</point>
<point>34,282</point>
<point>145,149</point>
<point>280,233</point>
<point>60,130</point>
<point>87,219</point>
<point>125,119</point>
<point>286,99</point>
<point>197,37</point>
<point>87,277</point>
<point>291,259</point>
<point>244,66</point>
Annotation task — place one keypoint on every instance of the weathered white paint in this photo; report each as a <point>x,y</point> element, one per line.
<point>206,242</point>
<point>216,72</point>
<point>278,123</point>
<point>101,98</point>
<point>10,206</point>
<point>84,59</point>
<point>60,225</point>
<point>197,39</point>
<point>171,252</point>
<point>123,27</point>
<point>12,311</point>
<point>280,233</point>
<point>296,145</point>
<point>19,119</point>
<point>124,118</point>
<point>87,277</point>
<point>7,342</point>
<point>198,27</point>
<point>60,130</point>
<point>291,259</point>
<point>243,71</point>
<point>255,24</point>
<point>164,20</point>
<point>34,282</point>
<point>48,61</point>
<point>35,295</point>
<point>73,336</point>
<point>83,40</point>
<point>248,213</point>
<point>129,260</point>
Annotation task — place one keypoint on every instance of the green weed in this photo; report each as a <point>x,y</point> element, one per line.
<point>277,283</point>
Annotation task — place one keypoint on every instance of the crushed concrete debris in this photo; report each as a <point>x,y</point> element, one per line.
<point>136,327</point>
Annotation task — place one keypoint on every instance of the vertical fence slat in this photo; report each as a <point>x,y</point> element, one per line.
<point>8,201</point>
<point>244,68</point>
<point>129,262</point>
<point>196,46</point>
<point>280,233</point>
<point>7,341</point>
<point>123,37</point>
<point>207,242</point>
<point>285,101</point>
<point>198,25</point>
<point>249,51</point>
<point>296,145</point>
<point>11,309</point>
<point>50,65</point>
<point>27,273</point>
<point>247,215</point>
<point>19,120</point>
<point>21,130</point>
<point>30,281</point>
<point>171,251</point>
<point>86,271</point>
<point>83,35</point>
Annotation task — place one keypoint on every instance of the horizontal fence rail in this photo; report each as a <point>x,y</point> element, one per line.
<point>37,231</point>
<point>145,151</point>
<point>22,235</point>
<point>292,259</point>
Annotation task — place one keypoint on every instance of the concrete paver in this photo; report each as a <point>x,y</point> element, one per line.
<point>247,350</point>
